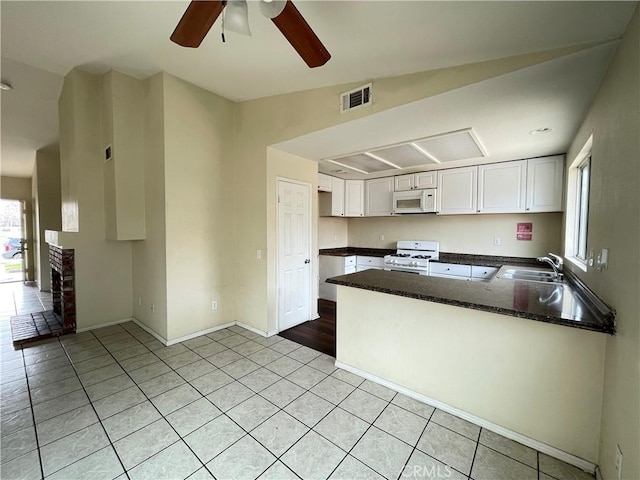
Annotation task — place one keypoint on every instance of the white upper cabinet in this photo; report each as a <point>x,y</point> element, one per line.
<point>416,181</point>
<point>337,197</point>
<point>332,204</point>
<point>354,198</point>
<point>544,184</point>
<point>403,182</point>
<point>379,197</point>
<point>425,180</point>
<point>324,183</point>
<point>457,191</point>
<point>501,187</point>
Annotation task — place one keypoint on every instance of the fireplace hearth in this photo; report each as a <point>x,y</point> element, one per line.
<point>62,319</point>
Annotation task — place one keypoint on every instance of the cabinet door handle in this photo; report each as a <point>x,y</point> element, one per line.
<point>307,261</point>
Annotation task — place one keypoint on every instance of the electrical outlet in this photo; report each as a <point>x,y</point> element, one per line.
<point>214,305</point>
<point>497,241</point>
<point>618,463</point>
<point>381,236</point>
<point>153,308</point>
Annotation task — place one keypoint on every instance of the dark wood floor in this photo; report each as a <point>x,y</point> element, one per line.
<point>319,334</point>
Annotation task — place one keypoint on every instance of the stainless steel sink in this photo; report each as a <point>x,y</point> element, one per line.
<point>529,275</point>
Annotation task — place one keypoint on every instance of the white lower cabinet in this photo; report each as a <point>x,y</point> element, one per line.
<point>332,266</point>
<point>457,271</point>
<point>451,270</point>
<point>479,273</point>
<point>367,263</point>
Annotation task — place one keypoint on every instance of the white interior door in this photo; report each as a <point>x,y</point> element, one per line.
<point>294,254</point>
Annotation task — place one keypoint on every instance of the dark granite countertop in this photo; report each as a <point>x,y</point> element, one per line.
<point>569,304</point>
<point>348,251</point>
<point>485,260</point>
<point>460,258</point>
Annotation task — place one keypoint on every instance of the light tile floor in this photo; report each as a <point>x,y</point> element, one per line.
<point>115,403</point>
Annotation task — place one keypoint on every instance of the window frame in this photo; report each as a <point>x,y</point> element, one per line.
<point>576,243</point>
<point>582,209</point>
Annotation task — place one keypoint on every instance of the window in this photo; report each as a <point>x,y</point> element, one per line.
<point>582,209</point>
<point>577,211</point>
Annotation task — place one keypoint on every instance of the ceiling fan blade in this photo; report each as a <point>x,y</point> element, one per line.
<point>196,22</point>
<point>299,34</point>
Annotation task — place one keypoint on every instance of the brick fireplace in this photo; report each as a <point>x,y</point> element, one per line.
<point>62,319</point>
<point>63,286</point>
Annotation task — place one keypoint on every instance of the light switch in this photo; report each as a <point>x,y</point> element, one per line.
<point>259,254</point>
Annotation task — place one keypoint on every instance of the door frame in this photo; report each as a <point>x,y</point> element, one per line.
<point>277,245</point>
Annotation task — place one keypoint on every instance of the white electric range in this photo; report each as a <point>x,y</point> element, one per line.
<point>413,256</point>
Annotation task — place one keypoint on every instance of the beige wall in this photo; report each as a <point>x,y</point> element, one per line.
<point>103,267</point>
<point>462,233</point>
<point>267,121</point>
<point>13,188</point>
<point>333,232</point>
<point>517,373</point>
<point>46,210</point>
<point>123,175</point>
<point>200,211</point>
<point>149,256</point>
<point>614,223</point>
<point>286,166</point>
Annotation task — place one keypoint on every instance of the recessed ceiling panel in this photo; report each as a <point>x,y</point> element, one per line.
<point>362,163</point>
<point>403,156</point>
<point>454,146</point>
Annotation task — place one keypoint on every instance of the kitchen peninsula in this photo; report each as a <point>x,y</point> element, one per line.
<point>503,354</point>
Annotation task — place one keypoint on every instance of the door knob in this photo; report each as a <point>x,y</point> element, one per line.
<point>307,261</point>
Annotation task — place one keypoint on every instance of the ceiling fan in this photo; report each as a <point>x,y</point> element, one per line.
<point>200,16</point>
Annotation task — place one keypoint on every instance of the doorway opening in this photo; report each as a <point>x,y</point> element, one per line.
<point>12,241</point>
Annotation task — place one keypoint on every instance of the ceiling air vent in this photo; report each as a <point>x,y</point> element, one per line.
<point>356,98</point>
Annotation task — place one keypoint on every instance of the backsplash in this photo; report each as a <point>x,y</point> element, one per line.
<point>474,234</point>
<point>332,232</point>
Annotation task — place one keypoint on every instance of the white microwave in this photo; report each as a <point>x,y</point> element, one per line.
<point>415,201</point>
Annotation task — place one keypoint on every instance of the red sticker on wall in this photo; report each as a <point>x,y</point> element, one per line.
<point>524,231</point>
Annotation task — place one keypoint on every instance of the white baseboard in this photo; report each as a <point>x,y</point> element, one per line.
<point>102,325</point>
<point>505,432</point>
<point>200,333</point>
<point>155,334</point>
<point>251,329</point>
<point>168,343</point>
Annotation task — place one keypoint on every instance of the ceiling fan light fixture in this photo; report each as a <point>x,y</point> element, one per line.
<point>272,8</point>
<point>236,17</point>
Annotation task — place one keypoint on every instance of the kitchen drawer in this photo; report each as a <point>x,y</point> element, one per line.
<point>370,261</point>
<point>362,268</point>
<point>483,272</point>
<point>449,269</point>
<point>351,269</point>
<point>350,261</point>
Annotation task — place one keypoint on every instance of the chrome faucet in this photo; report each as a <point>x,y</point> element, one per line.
<point>556,265</point>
